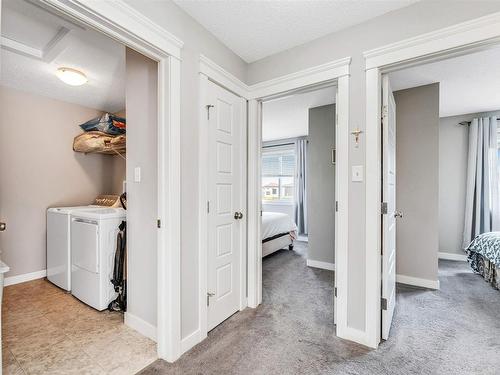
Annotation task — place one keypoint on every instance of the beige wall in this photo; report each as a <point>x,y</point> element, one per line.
<point>453,149</point>
<point>417,181</point>
<point>419,18</point>
<point>142,202</point>
<point>39,169</point>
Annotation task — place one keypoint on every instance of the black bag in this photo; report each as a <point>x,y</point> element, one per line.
<point>119,282</point>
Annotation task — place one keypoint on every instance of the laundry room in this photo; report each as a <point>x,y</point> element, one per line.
<point>78,195</point>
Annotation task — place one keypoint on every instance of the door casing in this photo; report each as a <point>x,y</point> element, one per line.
<point>455,40</point>
<point>335,72</point>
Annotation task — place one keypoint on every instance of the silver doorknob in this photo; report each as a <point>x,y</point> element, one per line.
<point>238,215</point>
<point>398,214</point>
<point>3,226</point>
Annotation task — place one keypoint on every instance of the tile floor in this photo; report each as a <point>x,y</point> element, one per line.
<point>48,331</point>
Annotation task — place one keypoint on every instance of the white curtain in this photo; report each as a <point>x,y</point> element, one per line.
<point>482,202</point>
<point>300,185</point>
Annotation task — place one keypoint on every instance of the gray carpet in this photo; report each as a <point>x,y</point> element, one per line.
<point>455,330</point>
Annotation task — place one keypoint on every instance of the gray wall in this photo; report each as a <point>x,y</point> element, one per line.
<point>39,169</point>
<point>422,17</point>
<point>196,40</point>
<point>141,103</point>
<point>453,149</point>
<point>417,181</point>
<point>321,184</point>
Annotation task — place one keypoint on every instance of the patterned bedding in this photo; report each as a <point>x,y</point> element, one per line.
<point>484,257</point>
<point>487,245</point>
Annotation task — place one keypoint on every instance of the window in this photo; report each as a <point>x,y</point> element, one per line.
<point>278,173</point>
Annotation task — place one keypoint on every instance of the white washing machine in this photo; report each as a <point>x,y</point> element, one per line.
<point>93,246</point>
<point>59,239</point>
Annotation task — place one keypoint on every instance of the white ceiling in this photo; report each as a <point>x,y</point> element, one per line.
<point>256,29</point>
<point>35,43</point>
<point>288,117</point>
<point>467,84</point>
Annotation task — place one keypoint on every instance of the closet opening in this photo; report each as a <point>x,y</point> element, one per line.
<point>78,196</point>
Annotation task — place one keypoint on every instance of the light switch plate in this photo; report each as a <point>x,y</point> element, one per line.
<point>357,173</point>
<point>137,174</point>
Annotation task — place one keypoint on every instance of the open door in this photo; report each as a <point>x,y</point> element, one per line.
<point>389,213</point>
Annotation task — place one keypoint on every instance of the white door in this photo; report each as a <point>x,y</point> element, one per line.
<point>389,206</point>
<point>225,163</point>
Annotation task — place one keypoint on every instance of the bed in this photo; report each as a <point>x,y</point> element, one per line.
<point>484,257</point>
<point>278,232</point>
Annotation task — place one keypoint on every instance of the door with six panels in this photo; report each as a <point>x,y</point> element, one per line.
<point>225,211</point>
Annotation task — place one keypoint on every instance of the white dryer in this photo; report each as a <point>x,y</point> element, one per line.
<point>93,244</point>
<point>59,238</point>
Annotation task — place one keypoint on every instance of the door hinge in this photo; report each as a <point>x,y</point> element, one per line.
<point>208,207</point>
<point>335,291</point>
<point>208,110</point>
<point>383,303</point>
<point>158,223</point>
<point>208,298</point>
<point>384,112</point>
<point>336,206</point>
<point>384,208</point>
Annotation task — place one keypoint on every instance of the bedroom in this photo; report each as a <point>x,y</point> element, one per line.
<point>446,195</point>
<point>298,200</point>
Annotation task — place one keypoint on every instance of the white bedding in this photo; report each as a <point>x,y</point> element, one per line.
<point>274,223</point>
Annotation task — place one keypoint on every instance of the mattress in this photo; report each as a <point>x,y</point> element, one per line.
<point>274,223</point>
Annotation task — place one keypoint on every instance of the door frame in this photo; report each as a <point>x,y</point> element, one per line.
<point>334,72</point>
<point>456,40</point>
<point>126,25</point>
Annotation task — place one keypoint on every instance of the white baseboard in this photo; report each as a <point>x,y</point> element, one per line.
<point>141,326</point>
<point>322,265</point>
<point>12,280</point>
<point>452,256</point>
<point>190,341</point>
<point>415,281</point>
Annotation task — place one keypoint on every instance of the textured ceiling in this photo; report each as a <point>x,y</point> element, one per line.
<point>256,29</point>
<point>288,117</point>
<point>467,84</point>
<point>35,43</point>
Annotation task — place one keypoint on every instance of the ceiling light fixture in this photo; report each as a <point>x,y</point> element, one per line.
<point>71,77</point>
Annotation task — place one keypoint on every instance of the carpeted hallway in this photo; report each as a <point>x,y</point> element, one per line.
<point>451,331</point>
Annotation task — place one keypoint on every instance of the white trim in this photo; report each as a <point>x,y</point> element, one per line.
<point>191,340</point>
<point>222,77</point>
<point>13,280</point>
<point>416,281</point>
<point>123,23</point>
<point>254,202</point>
<point>318,264</point>
<point>338,71</point>
<point>311,76</point>
<point>474,33</point>
<point>141,326</point>
<point>458,39</point>
<point>373,221</point>
<point>452,256</point>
